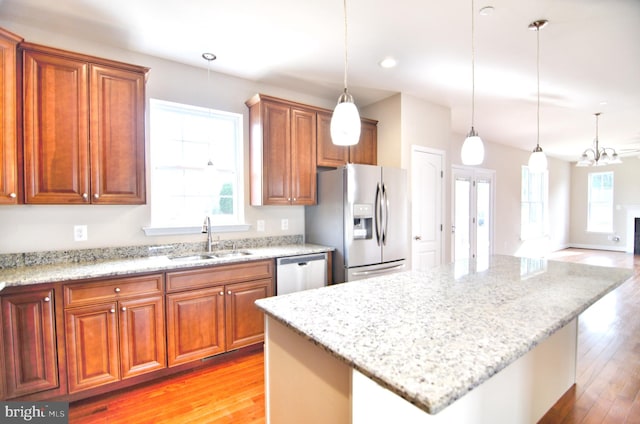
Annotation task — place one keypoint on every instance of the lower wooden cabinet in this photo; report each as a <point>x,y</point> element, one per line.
<point>111,341</point>
<point>219,318</point>
<point>29,342</point>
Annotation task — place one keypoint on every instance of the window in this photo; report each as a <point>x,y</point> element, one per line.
<point>196,166</point>
<point>534,201</point>
<point>600,202</point>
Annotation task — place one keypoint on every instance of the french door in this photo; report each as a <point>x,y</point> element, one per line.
<point>473,211</point>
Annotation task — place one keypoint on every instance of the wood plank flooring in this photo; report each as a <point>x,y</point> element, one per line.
<point>607,388</point>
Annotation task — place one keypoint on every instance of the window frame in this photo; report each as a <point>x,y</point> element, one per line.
<point>542,229</point>
<point>597,229</point>
<point>168,228</point>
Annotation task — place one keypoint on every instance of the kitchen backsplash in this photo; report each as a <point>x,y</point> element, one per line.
<point>12,260</point>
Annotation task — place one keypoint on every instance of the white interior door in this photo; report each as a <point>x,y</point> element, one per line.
<point>426,193</point>
<point>472,213</point>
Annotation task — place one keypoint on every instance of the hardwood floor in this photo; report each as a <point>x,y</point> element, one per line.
<point>607,388</point>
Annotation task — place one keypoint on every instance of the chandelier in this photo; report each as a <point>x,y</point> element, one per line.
<point>598,156</point>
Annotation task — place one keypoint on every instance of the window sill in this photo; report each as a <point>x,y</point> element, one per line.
<point>173,231</point>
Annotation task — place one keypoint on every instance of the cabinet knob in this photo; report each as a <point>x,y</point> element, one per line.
<point>112,310</point>
<point>294,199</point>
<point>96,196</point>
<point>221,293</point>
<point>229,292</point>
<point>85,196</point>
<point>47,298</point>
<point>117,290</point>
<point>124,308</point>
<point>12,195</point>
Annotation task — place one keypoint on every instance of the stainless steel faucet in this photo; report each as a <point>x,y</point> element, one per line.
<point>206,228</point>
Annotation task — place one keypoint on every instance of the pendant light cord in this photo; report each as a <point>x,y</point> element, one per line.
<point>346,55</point>
<point>473,66</point>
<point>538,69</point>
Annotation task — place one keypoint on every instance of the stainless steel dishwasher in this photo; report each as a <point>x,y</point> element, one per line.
<point>296,273</point>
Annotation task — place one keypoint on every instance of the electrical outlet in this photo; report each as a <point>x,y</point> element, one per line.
<point>80,233</point>
<point>260,225</point>
<point>284,224</point>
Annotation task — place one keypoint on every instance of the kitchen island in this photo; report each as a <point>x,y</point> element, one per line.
<point>461,343</point>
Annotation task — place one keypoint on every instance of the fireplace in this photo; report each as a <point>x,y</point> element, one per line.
<point>636,239</point>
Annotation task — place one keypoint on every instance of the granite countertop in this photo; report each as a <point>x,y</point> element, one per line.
<point>431,337</point>
<point>69,271</point>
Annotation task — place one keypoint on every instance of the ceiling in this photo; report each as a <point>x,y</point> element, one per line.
<point>589,55</point>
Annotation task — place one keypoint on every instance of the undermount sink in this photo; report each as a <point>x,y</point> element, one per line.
<point>212,255</point>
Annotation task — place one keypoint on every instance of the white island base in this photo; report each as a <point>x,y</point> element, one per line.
<point>306,384</point>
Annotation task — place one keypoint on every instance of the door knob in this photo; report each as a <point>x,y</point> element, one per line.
<point>417,238</point>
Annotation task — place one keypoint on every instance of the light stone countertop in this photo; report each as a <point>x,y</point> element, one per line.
<point>431,337</point>
<point>38,274</point>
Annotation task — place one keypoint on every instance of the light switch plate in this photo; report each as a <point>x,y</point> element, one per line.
<point>284,224</point>
<point>260,225</point>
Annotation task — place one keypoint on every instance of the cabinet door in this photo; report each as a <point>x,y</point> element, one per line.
<point>366,151</point>
<point>195,324</point>
<point>329,154</point>
<point>92,346</point>
<point>245,322</point>
<point>8,120</point>
<point>56,129</point>
<point>277,154</point>
<point>117,136</point>
<point>303,157</point>
<point>142,345</point>
<point>31,358</point>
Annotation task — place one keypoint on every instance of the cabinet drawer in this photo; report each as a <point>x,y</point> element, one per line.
<point>109,290</point>
<point>224,274</point>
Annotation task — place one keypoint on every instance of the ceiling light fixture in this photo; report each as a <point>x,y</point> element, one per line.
<point>598,156</point>
<point>388,62</point>
<point>538,160</point>
<point>472,152</point>
<point>345,121</point>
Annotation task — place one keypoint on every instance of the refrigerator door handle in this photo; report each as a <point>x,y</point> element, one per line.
<point>385,210</point>
<point>378,213</point>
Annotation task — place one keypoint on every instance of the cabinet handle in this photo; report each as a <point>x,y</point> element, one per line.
<point>96,196</point>
<point>221,293</point>
<point>113,311</point>
<point>124,308</point>
<point>85,196</point>
<point>46,299</point>
<point>117,290</point>
<point>12,195</point>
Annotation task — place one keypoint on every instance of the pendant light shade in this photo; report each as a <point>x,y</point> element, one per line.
<point>472,149</point>
<point>472,152</point>
<point>538,160</point>
<point>345,120</point>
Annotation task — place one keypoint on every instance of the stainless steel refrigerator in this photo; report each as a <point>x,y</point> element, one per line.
<point>362,212</point>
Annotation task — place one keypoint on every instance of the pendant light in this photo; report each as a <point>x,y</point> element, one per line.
<point>538,160</point>
<point>600,155</point>
<point>345,121</point>
<point>472,152</point>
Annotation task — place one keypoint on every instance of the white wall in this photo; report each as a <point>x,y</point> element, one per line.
<point>27,228</point>
<point>626,191</point>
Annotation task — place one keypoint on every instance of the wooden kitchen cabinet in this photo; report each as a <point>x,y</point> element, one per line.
<point>9,119</point>
<point>211,310</point>
<point>83,128</point>
<point>115,329</point>
<point>29,341</point>
<point>282,152</point>
<point>330,155</point>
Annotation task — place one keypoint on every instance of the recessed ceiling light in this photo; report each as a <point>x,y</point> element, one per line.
<point>486,11</point>
<point>388,62</point>
<point>603,103</point>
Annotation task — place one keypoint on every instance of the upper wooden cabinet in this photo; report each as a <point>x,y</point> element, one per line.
<point>330,155</point>
<point>83,128</point>
<point>9,122</point>
<point>283,152</point>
